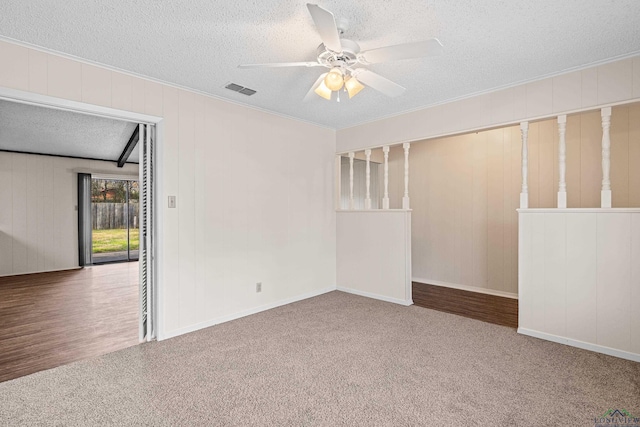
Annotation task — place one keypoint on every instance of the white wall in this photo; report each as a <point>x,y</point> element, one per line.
<point>38,217</point>
<point>605,84</point>
<point>374,254</point>
<point>580,278</point>
<point>254,190</point>
<point>465,190</point>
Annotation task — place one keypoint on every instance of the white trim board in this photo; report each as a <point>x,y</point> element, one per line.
<point>375,296</point>
<point>466,288</point>
<point>578,210</point>
<point>39,100</point>
<point>371,210</point>
<point>44,271</point>
<point>98,175</point>
<point>581,344</point>
<point>230,317</point>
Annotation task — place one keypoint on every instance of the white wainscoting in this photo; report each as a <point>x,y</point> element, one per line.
<point>374,254</point>
<point>579,278</point>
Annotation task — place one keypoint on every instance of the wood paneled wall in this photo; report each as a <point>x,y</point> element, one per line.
<point>465,191</point>
<point>580,90</point>
<point>580,279</point>
<point>374,254</point>
<point>255,191</point>
<point>38,216</point>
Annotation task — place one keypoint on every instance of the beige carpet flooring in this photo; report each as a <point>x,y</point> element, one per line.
<point>333,360</point>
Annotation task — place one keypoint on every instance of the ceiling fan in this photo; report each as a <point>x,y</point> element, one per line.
<point>345,61</point>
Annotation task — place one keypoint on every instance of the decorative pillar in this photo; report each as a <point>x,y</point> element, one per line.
<point>605,194</point>
<point>338,186</point>
<point>351,203</point>
<point>367,200</point>
<point>405,199</point>
<point>524,193</point>
<point>562,161</point>
<point>385,199</point>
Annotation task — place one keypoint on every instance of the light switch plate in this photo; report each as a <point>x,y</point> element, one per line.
<point>172,201</point>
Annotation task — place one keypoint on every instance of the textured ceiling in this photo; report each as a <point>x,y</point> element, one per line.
<point>31,129</point>
<point>199,43</point>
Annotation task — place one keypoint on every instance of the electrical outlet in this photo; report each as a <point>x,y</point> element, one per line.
<point>259,287</point>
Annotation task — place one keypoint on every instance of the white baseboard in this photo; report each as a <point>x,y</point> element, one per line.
<point>42,271</point>
<point>466,288</point>
<point>228,318</point>
<point>581,344</point>
<point>375,296</point>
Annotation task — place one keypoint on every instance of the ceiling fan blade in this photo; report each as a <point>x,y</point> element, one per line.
<point>282,65</point>
<point>379,83</point>
<point>421,49</point>
<point>311,94</point>
<point>326,26</point>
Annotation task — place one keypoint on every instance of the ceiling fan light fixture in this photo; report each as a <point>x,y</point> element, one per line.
<point>323,91</point>
<point>342,57</point>
<point>334,79</point>
<point>353,86</point>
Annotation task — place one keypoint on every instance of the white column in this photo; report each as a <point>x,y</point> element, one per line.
<point>351,203</point>
<point>524,193</point>
<point>385,199</point>
<point>367,200</point>
<point>605,194</point>
<point>405,199</point>
<point>338,186</point>
<point>562,161</point>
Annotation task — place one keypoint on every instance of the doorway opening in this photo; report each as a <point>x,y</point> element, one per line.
<point>107,307</point>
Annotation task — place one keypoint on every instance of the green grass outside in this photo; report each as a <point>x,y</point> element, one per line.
<point>114,240</point>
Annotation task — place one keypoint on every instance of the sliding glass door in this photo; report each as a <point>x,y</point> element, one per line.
<point>115,217</point>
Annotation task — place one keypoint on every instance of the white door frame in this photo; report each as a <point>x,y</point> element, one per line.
<point>39,100</point>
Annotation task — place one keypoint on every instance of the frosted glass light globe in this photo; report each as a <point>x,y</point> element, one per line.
<point>334,80</point>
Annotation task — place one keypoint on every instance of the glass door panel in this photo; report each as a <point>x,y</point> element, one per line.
<point>114,209</point>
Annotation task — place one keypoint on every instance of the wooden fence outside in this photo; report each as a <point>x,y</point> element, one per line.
<point>107,216</point>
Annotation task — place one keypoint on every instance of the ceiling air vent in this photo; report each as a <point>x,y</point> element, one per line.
<point>240,89</point>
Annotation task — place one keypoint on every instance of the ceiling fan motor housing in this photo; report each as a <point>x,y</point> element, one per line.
<point>347,58</point>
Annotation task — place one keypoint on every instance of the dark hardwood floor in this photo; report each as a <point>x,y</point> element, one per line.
<point>51,319</point>
<point>488,308</point>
